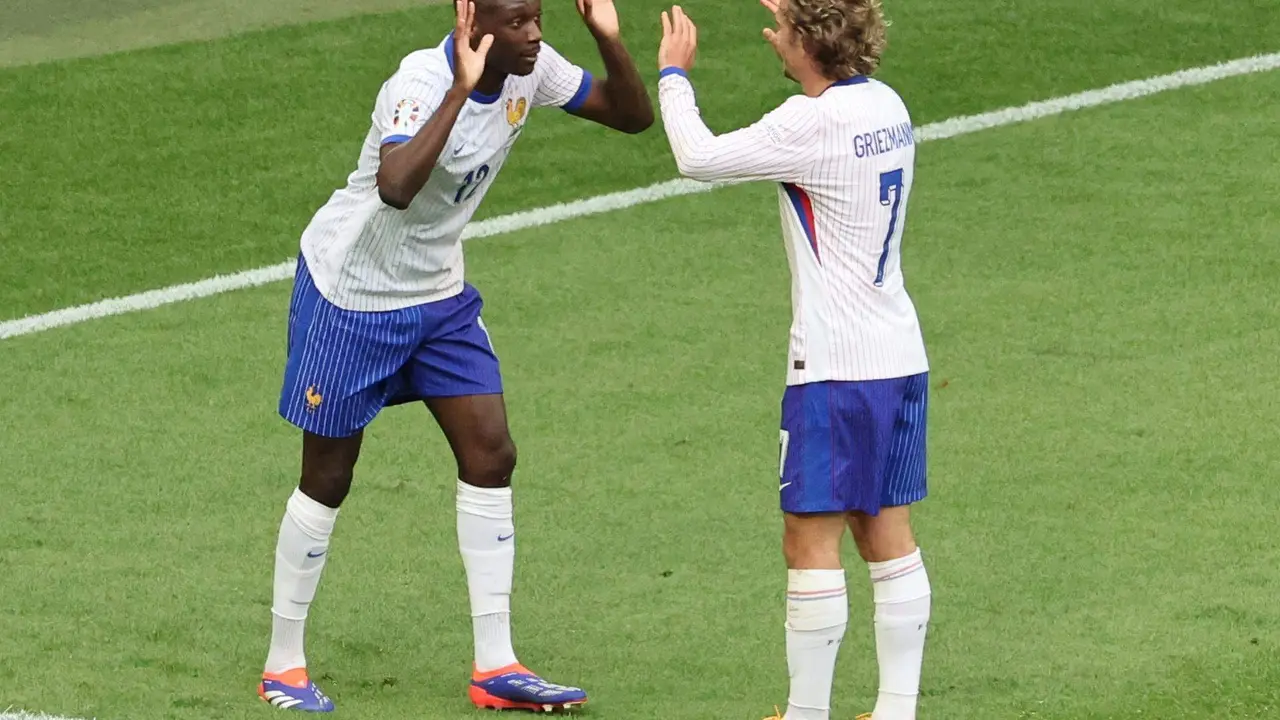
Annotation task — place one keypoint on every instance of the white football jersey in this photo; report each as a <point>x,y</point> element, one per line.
<point>365,255</point>
<point>844,163</point>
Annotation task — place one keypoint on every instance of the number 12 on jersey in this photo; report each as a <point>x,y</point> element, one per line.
<point>890,193</point>
<point>473,180</point>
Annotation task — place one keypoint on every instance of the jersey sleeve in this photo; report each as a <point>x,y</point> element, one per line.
<point>779,147</point>
<point>560,83</point>
<point>405,104</point>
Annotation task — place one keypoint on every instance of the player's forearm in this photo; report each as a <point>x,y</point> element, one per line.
<point>692,142</point>
<point>630,109</point>
<point>404,171</point>
<point>746,154</point>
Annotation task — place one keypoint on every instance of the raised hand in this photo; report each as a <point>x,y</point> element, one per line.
<point>468,62</point>
<point>601,18</point>
<point>679,40</point>
<point>770,34</point>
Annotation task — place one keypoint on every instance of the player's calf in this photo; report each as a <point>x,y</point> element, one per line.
<point>302,547</point>
<point>817,610</point>
<point>476,427</point>
<point>902,605</point>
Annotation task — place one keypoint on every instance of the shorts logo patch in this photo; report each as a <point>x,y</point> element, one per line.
<point>313,399</point>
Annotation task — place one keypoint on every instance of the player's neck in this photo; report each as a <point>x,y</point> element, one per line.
<point>812,82</point>
<point>816,85</point>
<point>491,82</point>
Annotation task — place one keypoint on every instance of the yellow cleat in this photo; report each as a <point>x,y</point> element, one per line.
<point>776,715</point>
<point>863,716</point>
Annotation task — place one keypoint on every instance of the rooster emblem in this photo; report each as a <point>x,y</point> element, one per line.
<point>516,110</point>
<point>313,399</point>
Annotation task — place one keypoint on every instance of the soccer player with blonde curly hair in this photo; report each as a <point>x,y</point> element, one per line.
<point>842,153</point>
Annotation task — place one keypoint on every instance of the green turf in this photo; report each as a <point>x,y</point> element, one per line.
<point>139,170</point>
<point>1097,295</point>
<point>37,31</point>
<point>21,17</point>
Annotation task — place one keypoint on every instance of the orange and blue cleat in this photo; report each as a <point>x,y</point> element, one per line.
<point>515,688</point>
<point>778,716</point>
<point>293,690</point>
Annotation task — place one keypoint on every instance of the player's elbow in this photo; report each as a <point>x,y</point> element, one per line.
<point>694,168</point>
<point>637,122</point>
<point>393,193</point>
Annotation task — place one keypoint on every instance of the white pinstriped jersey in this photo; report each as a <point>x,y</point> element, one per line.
<point>367,256</point>
<point>844,163</point>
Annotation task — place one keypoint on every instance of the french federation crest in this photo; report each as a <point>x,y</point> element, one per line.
<point>516,110</point>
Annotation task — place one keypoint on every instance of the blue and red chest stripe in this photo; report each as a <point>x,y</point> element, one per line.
<point>804,210</point>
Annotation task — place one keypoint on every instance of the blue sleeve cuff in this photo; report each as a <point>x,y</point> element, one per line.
<point>673,70</point>
<point>395,139</point>
<point>580,97</point>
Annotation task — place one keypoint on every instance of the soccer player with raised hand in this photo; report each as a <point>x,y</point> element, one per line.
<point>842,153</point>
<point>381,315</point>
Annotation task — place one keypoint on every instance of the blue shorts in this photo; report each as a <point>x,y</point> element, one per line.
<point>345,366</point>
<point>853,445</point>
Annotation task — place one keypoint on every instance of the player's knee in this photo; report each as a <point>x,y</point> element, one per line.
<point>885,537</point>
<point>812,542</point>
<point>491,464</point>
<point>327,484</point>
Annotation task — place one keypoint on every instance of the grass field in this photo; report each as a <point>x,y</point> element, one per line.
<point>1098,292</point>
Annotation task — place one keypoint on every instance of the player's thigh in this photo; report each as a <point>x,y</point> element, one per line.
<point>834,442</point>
<point>457,373</point>
<point>341,363</point>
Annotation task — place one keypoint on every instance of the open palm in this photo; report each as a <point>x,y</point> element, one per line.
<point>601,17</point>
<point>468,62</point>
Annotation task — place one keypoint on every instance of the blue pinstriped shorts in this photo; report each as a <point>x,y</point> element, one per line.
<point>345,366</point>
<point>853,445</point>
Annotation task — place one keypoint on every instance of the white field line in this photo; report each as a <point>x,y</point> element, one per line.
<point>21,715</point>
<point>640,196</point>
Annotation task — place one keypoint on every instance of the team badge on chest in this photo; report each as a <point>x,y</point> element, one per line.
<point>516,110</point>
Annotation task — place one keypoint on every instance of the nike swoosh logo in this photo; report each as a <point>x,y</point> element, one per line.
<point>316,555</point>
<point>502,538</point>
<point>783,486</point>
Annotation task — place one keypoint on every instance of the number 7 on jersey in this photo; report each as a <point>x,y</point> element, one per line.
<point>890,192</point>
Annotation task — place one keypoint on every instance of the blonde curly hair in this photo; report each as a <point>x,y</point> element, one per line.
<point>844,37</point>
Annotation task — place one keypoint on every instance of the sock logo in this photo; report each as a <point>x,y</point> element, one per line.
<point>317,554</point>
<point>504,538</point>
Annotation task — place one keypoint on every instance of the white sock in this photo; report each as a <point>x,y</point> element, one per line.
<point>486,539</point>
<point>301,550</point>
<point>817,615</point>
<point>902,597</point>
